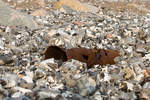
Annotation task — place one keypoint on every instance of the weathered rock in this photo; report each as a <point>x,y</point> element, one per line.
<point>39,12</point>
<point>32,77</point>
<point>145,93</point>
<point>23,90</point>
<point>128,73</point>
<point>4,59</point>
<point>3,93</point>
<point>86,86</point>
<point>11,17</point>
<point>28,4</point>
<point>47,94</point>
<point>66,9</point>
<point>76,5</point>
<point>19,96</point>
<point>10,79</point>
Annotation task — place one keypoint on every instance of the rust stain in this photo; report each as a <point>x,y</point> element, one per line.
<point>89,56</point>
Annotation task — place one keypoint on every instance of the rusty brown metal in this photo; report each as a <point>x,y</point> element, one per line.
<point>89,56</point>
<point>56,53</point>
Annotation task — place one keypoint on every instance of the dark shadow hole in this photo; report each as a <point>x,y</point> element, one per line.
<point>106,53</point>
<point>85,57</point>
<point>56,53</point>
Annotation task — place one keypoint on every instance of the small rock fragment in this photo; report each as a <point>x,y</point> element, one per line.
<point>46,94</point>
<point>76,5</point>
<point>145,94</point>
<point>86,86</point>
<point>128,73</point>
<point>19,96</point>
<point>5,60</point>
<point>10,79</point>
<point>39,12</point>
<point>3,93</point>
<point>66,9</point>
<point>23,90</point>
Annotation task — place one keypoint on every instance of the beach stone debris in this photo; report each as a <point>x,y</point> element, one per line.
<point>4,59</point>
<point>76,5</point>
<point>86,86</point>
<point>11,17</point>
<point>39,12</point>
<point>30,4</point>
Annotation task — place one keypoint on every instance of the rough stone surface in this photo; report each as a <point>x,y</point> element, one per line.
<point>12,17</point>
<point>76,5</point>
<point>121,26</point>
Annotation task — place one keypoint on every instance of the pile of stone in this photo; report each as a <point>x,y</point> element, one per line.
<point>27,31</point>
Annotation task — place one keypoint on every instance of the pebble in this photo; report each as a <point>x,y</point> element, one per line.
<point>29,77</point>
<point>4,59</point>
<point>22,90</point>
<point>128,73</point>
<point>11,79</point>
<point>66,9</point>
<point>47,94</point>
<point>86,86</point>
<point>77,5</point>
<point>40,12</point>
<point>1,44</point>
<point>130,41</point>
<point>97,96</point>
<point>4,93</point>
<point>19,96</point>
<point>146,85</point>
<point>145,94</point>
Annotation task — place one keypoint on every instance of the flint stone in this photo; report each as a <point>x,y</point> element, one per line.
<point>66,9</point>
<point>23,90</point>
<point>11,79</point>
<point>19,96</point>
<point>86,86</point>
<point>3,93</point>
<point>77,6</point>
<point>11,17</point>
<point>47,94</point>
<point>5,60</point>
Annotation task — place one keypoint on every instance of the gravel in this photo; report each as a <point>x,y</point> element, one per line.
<point>25,75</point>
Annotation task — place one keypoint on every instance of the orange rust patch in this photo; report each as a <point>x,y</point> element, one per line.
<point>89,56</point>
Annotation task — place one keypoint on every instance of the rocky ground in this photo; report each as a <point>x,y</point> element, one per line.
<point>27,28</point>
